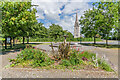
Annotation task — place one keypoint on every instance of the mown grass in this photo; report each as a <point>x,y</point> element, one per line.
<point>19,46</point>
<point>101,45</point>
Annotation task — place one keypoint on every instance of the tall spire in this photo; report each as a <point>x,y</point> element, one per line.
<point>76,17</point>
<point>76,28</point>
<point>76,21</point>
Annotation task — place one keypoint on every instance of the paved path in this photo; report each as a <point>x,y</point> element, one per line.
<point>110,55</point>
<point>112,42</point>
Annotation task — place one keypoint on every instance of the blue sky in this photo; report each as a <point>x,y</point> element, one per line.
<point>60,12</point>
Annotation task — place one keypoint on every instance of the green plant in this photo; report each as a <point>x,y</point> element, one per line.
<point>104,65</point>
<point>12,65</point>
<point>65,62</point>
<point>41,59</point>
<point>36,56</point>
<point>64,50</point>
<point>74,59</point>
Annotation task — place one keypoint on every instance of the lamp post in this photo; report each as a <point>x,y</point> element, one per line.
<point>80,39</point>
<point>65,36</point>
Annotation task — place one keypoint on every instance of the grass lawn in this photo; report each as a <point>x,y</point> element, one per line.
<point>19,46</point>
<point>102,45</point>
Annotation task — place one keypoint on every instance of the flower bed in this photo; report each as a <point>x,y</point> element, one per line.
<point>66,58</point>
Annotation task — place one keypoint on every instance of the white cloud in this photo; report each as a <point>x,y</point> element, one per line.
<point>50,11</point>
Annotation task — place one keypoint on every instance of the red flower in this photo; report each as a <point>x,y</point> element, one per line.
<point>78,49</point>
<point>82,52</point>
<point>32,51</point>
<point>74,47</point>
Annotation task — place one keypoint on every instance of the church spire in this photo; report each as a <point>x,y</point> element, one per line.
<point>76,17</point>
<point>76,21</point>
<point>76,28</point>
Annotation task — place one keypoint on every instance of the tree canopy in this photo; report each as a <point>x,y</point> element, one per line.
<point>101,19</point>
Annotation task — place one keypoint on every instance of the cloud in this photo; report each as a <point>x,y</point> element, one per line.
<point>61,13</point>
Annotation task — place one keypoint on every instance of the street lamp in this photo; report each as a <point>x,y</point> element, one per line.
<point>65,36</point>
<point>80,37</point>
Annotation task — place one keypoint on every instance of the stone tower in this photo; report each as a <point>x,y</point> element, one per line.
<point>76,28</point>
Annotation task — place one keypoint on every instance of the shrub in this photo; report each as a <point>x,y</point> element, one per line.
<point>87,55</point>
<point>37,57</point>
<point>104,65</point>
<point>65,62</point>
<point>63,52</point>
<point>41,59</point>
<point>74,59</point>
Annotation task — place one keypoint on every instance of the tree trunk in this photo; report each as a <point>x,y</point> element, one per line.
<point>107,40</point>
<point>10,42</point>
<point>13,41</point>
<point>23,39</point>
<point>94,40</point>
<point>5,42</point>
<point>27,39</point>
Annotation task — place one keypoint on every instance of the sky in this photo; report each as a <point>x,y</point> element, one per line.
<point>61,12</point>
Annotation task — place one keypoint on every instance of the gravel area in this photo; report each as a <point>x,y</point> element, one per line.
<point>111,55</point>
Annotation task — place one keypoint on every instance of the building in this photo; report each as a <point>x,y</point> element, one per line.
<point>76,28</point>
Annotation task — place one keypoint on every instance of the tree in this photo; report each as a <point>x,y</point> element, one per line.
<point>55,31</point>
<point>110,20</point>
<point>41,31</point>
<point>119,20</point>
<point>100,20</point>
<point>69,35</point>
<point>17,19</point>
<point>89,23</point>
<point>26,21</point>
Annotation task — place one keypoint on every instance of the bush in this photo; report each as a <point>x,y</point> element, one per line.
<point>87,55</point>
<point>37,57</point>
<point>77,58</point>
<point>74,59</point>
<point>37,39</point>
<point>104,65</point>
<point>41,59</point>
<point>65,62</point>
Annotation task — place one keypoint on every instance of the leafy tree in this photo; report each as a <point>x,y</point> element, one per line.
<point>110,17</point>
<point>100,20</point>
<point>69,35</point>
<point>55,31</point>
<point>119,20</point>
<point>26,20</point>
<point>17,19</point>
<point>89,23</point>
<point>41,31</point>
